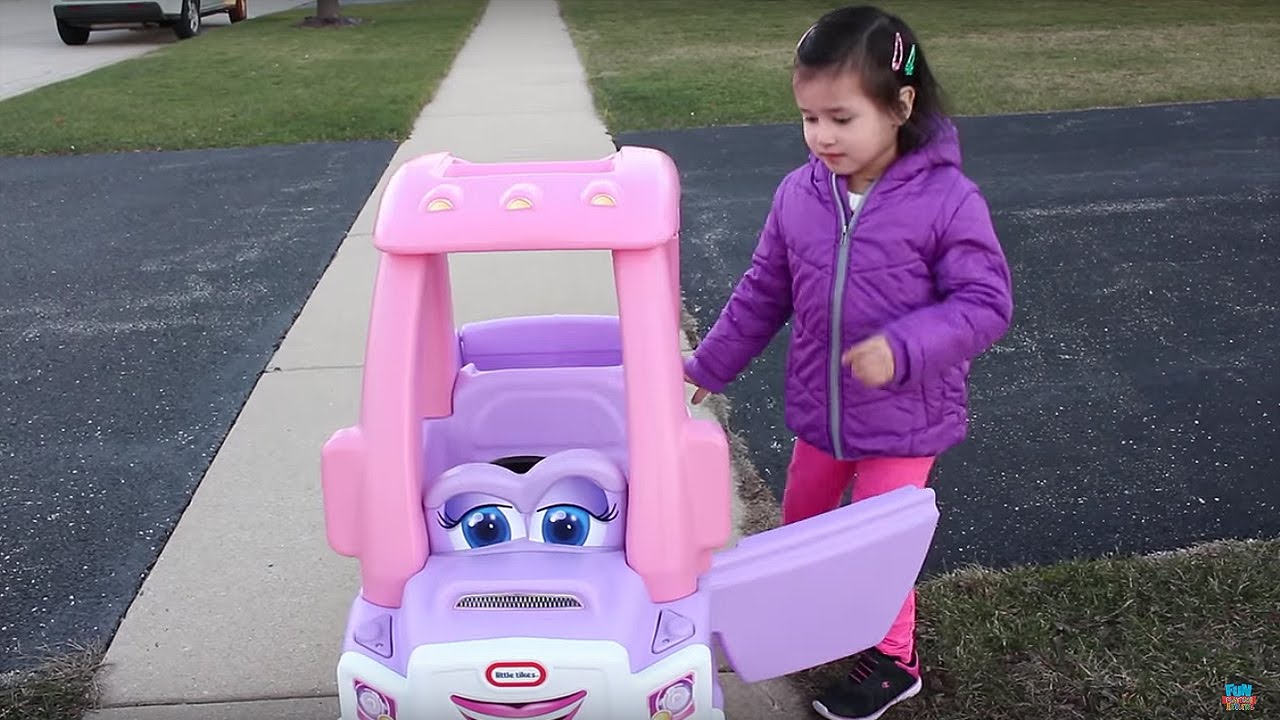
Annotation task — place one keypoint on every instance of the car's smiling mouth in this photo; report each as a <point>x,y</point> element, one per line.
<point>562,708</point>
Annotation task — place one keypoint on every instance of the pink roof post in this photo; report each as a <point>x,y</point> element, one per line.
<point>629,202</point>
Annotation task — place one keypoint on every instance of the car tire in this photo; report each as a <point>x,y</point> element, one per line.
<point>188,25</point>
<point>72,35</point>
<point>239,11</point>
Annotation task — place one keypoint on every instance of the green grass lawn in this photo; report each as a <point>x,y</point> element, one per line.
<point>688,63</point>
<point>1146,638</point>
<point>262,81</point>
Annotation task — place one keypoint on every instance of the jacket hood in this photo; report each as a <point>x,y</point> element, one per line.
<point>941,149</point>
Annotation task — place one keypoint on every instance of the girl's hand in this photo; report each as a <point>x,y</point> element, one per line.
<point>871,361</point>
<point>698,395</point>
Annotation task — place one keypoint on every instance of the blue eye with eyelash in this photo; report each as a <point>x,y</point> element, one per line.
<point>481,526</point>
<point>573,525</point>
<point>566,525</point>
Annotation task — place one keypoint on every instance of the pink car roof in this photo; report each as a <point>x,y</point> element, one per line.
<point>678,479</point>
<point>440,204</point>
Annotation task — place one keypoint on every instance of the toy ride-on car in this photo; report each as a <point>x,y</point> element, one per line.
<point>539,521</point>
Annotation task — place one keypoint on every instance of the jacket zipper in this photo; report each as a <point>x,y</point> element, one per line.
<point>847,225</point>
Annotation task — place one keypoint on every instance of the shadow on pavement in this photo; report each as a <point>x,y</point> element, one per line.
<point>1133,407</point>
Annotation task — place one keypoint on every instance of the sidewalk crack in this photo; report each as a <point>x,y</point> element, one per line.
<point>276,369</point>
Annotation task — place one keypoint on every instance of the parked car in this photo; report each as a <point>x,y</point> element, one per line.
<point>540,521</point>
<point>77,18</point>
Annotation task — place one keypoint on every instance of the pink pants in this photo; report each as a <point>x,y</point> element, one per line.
<point>816,482</point>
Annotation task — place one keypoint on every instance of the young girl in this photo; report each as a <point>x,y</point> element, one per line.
<point>883,255</point>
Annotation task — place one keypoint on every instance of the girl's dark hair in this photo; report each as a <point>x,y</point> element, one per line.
<point>864,40</point>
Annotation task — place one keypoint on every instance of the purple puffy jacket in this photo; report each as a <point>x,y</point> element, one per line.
<point>920,263</point>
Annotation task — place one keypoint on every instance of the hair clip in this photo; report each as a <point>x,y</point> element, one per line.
<point>806,34</point>
<point>896,61</point>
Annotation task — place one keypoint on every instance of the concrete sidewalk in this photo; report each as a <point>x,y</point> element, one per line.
<point>243,613</point>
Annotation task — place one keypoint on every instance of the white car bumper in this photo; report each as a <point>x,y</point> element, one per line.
<point>529,679</point>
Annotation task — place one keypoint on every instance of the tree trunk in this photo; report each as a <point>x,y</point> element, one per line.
<point>327,10</point>
<point>329,15</point>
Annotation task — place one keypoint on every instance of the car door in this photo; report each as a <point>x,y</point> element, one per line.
<point>814,591</point>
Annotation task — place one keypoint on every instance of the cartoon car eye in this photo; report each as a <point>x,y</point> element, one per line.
<point>570,525</point>
<point>482,525</point>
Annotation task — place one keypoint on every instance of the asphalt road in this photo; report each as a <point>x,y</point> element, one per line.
<point>141,294</point>
<point>1133,407</point>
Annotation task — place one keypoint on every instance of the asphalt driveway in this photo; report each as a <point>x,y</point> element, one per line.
<point>1134,405</point>
<point>140,297</point>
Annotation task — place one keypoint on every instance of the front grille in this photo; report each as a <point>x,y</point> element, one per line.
<point>518,601</point>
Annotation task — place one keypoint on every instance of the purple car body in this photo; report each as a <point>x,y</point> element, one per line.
<point>536,488</point>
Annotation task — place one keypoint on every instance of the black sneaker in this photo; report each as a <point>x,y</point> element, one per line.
<point>876,683</point>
